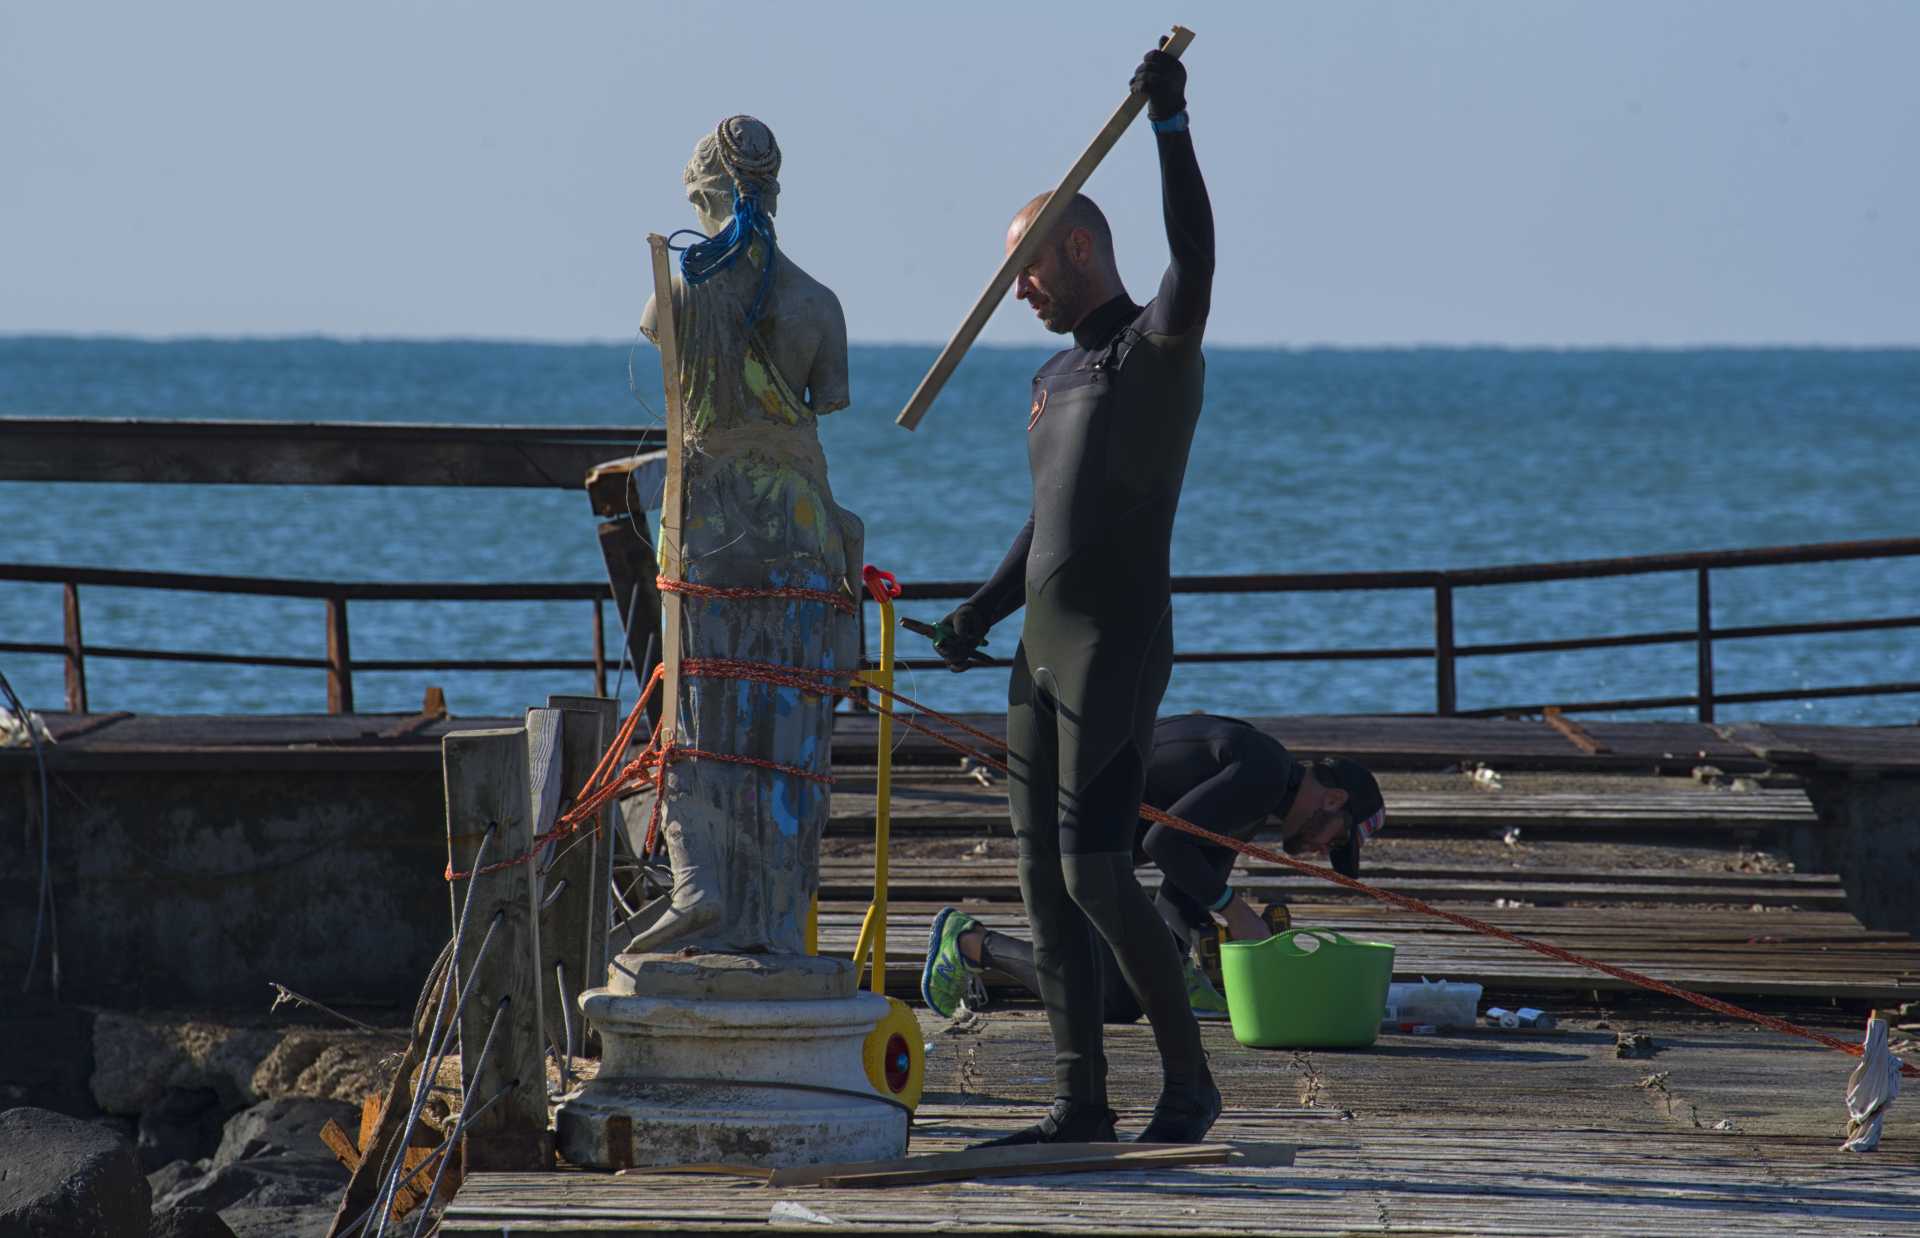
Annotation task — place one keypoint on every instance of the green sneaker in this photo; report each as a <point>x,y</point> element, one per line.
<point>943,981</point>
<point>1202,996</point>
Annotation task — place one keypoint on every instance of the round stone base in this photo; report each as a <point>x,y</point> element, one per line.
<point>617,1124</point>
<point>689,1080</point>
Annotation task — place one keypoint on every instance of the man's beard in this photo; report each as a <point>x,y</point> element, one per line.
<point>1066,310</point>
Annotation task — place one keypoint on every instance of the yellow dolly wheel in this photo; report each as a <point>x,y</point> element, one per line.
<point>895,1056</point>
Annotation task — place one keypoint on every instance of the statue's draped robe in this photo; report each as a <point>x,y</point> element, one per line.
<point>744,842</point>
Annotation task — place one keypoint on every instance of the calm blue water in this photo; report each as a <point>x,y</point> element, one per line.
<point>1305,461</point>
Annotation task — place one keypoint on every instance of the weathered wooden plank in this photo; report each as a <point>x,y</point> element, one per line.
<point>996,867</point>
<point>346,453</point>
<point>588,743</point>
<point>673,490</point>
<point>489,803</point>
<point>976,1163</point>
<point>1785,954</point>
<point>559,757</point>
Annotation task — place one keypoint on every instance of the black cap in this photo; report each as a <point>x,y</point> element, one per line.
<point>1366,809</point>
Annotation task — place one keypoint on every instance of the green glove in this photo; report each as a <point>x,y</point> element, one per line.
<point>959,637</point>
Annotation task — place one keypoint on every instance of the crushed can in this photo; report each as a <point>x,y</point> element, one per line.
<point>1525,1017</point>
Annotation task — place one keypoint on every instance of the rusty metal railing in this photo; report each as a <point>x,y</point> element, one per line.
<point>1445,652</point>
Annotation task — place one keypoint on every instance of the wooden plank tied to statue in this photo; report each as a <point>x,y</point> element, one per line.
<point>673,507</point>
<point>1037,233</point>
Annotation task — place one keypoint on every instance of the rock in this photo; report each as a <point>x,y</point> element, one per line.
<point>47,1061</point>
<point>167,1179</point>
<point>1633,1045</point>
<point>61,1175</point>
<point>312,1222</point>
<point>344,1066</point>
<point>288,1128</point>
<point>136,1060</point>
<point>191,1223</point>
<point>270,1157</point>
<point>183,1125</point>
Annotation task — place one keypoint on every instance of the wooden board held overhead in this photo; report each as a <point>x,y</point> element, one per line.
<point>1038,231</point>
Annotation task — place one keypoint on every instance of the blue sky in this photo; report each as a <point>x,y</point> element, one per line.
<point>1613,172</point>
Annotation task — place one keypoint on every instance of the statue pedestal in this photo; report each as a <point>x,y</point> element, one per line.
<point>735,1059</point>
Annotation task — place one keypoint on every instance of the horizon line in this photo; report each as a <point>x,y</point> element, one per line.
<point>992,346</point>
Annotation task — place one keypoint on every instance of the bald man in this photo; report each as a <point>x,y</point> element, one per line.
<point>1108,430</point>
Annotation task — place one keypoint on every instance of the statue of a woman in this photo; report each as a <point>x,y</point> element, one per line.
<point>763,352</point>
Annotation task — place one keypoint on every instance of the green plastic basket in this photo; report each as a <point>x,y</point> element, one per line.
<point>1306,989</point>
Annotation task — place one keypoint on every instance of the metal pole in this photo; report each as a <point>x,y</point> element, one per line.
<point>1443,683</point>
<point>1704,631</point>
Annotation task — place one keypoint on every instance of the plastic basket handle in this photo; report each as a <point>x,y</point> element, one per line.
<point>1290,940</point>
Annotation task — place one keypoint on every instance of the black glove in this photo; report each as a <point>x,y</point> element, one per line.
<point>958,637</point>
<point>1163,80</point>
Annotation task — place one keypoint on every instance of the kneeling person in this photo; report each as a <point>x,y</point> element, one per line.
<point>1221,774</point>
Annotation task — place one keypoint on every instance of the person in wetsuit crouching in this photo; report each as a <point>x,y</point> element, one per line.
<point>1223,775</point>
<point>1107,438</point>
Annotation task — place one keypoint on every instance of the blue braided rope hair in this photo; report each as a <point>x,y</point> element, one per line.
<point>702,259</point>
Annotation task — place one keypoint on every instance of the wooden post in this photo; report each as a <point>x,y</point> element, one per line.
<point>1704,647</point>
<point>672,494</point>
<point>593,741</point>
<point>572,887</point>
<point>339,659</point>
<point>1039,230</point>
<point>1445,700</point>
<point>488,788</point>
<point>546,788</point>
<point>76,651</point>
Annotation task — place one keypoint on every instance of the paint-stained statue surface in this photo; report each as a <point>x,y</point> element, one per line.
<point>760,359</point>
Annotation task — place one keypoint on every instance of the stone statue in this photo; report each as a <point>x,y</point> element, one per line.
<point>722,1039</point>
<point>761,356</point>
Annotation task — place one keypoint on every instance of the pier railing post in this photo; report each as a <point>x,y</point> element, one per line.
<point>1444,695</point>
<point>599,648</point>
<point>76,650</point>
<point>503,1053</point>
<point>339,658</point>
<point>1704,633</point>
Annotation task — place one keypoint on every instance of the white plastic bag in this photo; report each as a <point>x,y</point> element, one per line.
<point>1872,1087</point>
<point>1443,1003</point>
<point>14,732</point>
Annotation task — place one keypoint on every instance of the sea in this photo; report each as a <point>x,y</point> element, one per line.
<point>1305,460</point>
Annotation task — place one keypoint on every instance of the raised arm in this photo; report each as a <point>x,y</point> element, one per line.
<point>1186,290</point>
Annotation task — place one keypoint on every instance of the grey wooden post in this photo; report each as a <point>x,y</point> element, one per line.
<point>488,789</point>
<point>573,887</point>
<point>593,740</point>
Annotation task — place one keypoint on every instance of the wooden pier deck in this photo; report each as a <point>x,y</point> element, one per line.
<point>1411,742</point>
<point>1728,1130</point>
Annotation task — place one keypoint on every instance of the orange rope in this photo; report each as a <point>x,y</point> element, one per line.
<point>839,601</point>
<point>829,683</point>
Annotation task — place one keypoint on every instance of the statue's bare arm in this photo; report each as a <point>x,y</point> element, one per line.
<point>828,387</point>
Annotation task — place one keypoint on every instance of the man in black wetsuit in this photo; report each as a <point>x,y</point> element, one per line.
<point>1223,775</point>
<point>1110,424</point>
